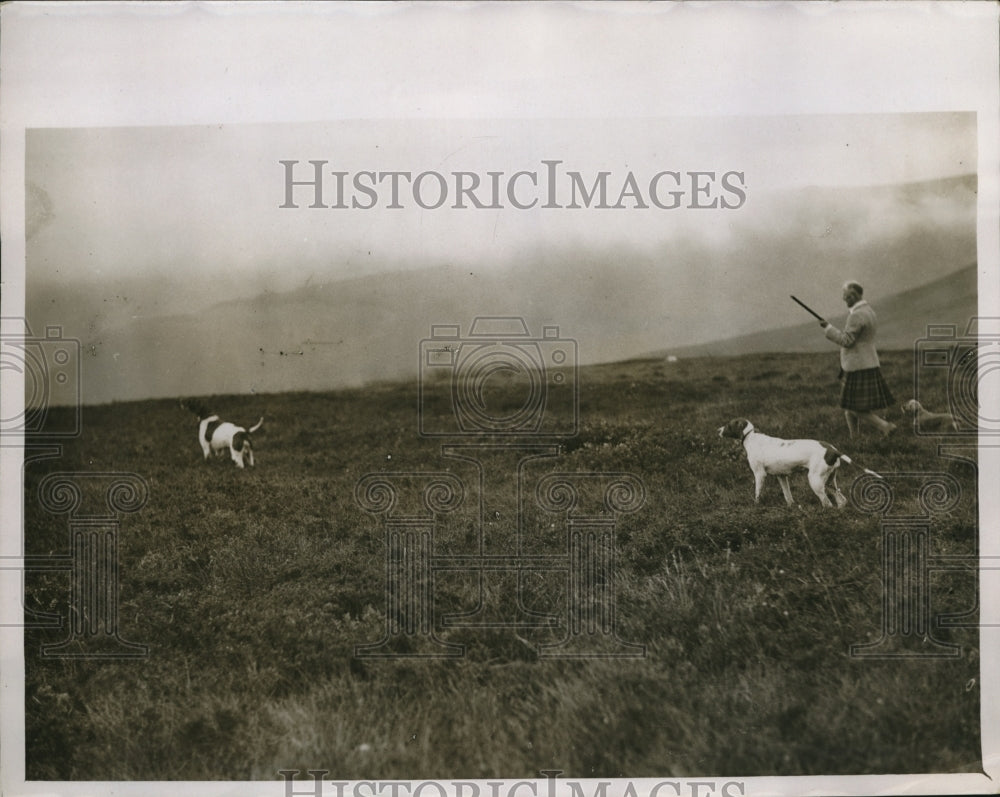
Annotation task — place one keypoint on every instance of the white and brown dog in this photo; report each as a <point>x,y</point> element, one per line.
<point>927,421</point>
<point>219,437</point>
<point>772,455</point>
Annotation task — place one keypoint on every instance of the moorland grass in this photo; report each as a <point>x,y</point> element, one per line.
<point>252,589</point>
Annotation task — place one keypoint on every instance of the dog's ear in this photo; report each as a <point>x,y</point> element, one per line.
<point>738,428</point>
<point>733,429</point>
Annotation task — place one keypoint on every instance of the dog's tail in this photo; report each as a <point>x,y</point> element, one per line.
<point>257,425</point>
<point>833,455</point>
<point>850,461</point>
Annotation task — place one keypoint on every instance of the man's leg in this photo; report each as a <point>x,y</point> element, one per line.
<point>884,426</point>
<point>852,422</point>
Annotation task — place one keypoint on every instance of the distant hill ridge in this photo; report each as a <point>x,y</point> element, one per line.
<point>902,319</point>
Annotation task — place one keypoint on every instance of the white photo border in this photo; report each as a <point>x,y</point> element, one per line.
<point>196,63</point>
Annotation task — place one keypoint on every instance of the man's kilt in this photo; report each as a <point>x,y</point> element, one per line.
<point>865,390</point>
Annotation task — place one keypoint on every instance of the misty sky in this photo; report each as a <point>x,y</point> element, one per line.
<point>191,202</point>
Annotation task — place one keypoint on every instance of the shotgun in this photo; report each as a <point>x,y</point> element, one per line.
<point>808,309</point>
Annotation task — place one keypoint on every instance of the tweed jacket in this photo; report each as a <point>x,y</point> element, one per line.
<point>857,341</point>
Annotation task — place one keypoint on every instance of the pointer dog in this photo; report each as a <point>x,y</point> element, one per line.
<point>772,455</point>
<point>929,421</point>
<point>218,437</point>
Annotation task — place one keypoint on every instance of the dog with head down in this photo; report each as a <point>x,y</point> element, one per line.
<point>220,437</point>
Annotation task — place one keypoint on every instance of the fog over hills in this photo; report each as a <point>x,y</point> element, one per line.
<point>157,338</point>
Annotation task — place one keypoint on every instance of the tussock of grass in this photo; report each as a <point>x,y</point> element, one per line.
<point>253,588</point>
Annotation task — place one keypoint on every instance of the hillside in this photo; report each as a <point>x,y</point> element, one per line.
<point>902,319</point>
<point>255,589</point>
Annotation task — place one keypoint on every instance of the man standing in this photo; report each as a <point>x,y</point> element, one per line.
<point>864,389</point>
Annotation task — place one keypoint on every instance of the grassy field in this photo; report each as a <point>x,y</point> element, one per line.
<point>252,589</point>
